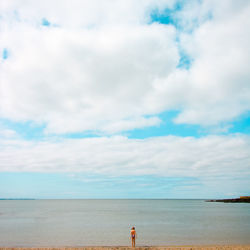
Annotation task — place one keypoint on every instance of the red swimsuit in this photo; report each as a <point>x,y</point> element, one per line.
<point>132,234</point>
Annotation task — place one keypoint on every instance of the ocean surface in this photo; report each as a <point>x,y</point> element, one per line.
<point>107,222</point>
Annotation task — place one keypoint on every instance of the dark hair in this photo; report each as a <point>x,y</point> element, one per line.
<point>133,228</point>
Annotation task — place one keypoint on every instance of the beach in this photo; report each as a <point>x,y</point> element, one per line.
<point>198,247</point>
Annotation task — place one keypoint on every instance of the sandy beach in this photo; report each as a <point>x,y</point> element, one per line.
<point>198,247</point>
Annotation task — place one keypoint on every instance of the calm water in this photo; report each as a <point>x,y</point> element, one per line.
<point>107,222</point>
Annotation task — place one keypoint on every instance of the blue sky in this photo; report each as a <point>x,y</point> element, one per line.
<point>68,186</point>
<point>143,102</point>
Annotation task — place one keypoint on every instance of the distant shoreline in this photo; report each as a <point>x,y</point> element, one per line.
<point>15,199</point>
<point>242,199</point>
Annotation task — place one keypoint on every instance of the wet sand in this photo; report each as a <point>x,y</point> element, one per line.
<point>198,247</point>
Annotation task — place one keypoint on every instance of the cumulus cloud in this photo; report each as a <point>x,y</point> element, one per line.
<point>208,157</point>
<point>9,133</point>
<point>106,67</point>
<point>76,81</point>
<point>219,77</point>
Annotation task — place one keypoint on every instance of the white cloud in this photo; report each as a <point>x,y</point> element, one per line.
<point>219,77</point>
<point>84,80</point>
<point>83,13</point>
<point>102,67</point>
<point>7,133</point>
<point>211,157</point>
<point>130,124</point>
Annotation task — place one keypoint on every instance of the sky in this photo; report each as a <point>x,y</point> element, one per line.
<point>124,99</point>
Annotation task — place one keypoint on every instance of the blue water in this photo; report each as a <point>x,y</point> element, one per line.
<point>107,222</point>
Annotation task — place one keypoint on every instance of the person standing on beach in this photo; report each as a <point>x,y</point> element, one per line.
<point>133,235</point>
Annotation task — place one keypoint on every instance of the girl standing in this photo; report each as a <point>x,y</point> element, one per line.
<point>133,235</point>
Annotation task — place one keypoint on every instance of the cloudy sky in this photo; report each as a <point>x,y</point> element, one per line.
<point>124,98</point>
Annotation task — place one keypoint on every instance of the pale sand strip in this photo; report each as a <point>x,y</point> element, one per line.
<point>212,247</point>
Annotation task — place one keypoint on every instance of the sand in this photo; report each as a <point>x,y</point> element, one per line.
<point>201,247</point>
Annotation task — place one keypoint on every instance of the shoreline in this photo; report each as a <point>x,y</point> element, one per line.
<point>242,199</point>
<point>181,247</point>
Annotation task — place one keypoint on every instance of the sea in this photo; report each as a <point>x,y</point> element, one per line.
<point>41,223</point>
